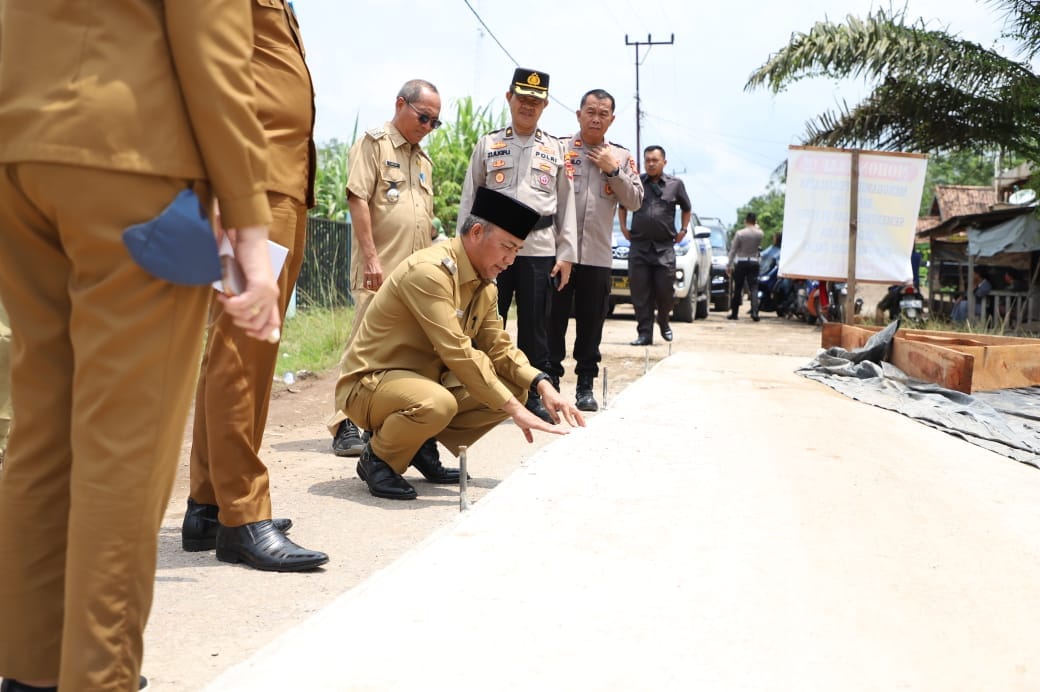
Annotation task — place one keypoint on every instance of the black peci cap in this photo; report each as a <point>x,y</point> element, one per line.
<point>528,82</point>
<point>512,216</point>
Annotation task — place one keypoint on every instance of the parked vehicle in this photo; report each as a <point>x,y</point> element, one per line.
<point>720,280</point>
<point>826,301</point>
<point>902,302</point>
<point>692,272</point>
<point>775,293</point>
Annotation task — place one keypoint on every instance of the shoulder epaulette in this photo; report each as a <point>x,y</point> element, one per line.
<point>375,132</point>
<point>619,146</point>
<point>450,265</point>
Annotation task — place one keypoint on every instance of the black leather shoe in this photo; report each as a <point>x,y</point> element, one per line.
<point>534,405</point>
<point>347,441</point>
<point>382,480</point>
<point>585,400</point>
<point>199,528</point>
<point>428,461</point>
<point>755,317</point>
<point>9,685</point>
<point>641,341</point>
<point>731,317</point>
<point>666,333</point>
<point>261,546</point>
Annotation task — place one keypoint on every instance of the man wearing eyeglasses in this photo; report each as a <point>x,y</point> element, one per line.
<point>530,165</point>
<point>390,194</point>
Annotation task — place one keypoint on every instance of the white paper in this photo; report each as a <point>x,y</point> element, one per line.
<point>277,252</point>
<point>816,214</point>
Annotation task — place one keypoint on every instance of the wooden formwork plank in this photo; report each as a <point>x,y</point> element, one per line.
<point>964,362</point>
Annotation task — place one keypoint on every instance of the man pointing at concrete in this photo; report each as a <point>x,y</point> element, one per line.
<point>431,360</point>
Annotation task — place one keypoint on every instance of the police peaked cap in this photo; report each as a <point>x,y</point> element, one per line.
<point>512,216</point>
<point>528,82</point>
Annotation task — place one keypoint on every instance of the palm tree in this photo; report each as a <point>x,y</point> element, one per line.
<point>933,91</point>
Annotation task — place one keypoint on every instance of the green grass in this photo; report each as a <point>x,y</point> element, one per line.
<point>314,338</point>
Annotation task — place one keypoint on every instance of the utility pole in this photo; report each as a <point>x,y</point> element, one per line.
<point>639,110</point>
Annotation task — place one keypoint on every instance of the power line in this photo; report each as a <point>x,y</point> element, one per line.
<point>516,63</point>
<point>491,33</point>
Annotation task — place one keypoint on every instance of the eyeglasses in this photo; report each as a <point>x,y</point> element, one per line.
<point>423,118</point>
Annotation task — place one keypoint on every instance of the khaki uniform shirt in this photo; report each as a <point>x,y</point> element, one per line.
<point>139,86</point>
<point>395,178</point>
<point>435,316</point>
<point>597,197</point>
<point>537,174</point>
<point>746,244</point>
<point>282,77</point>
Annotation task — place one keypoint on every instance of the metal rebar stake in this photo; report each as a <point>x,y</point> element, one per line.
<point>669,348</point>
<point>604,386</point>
<point>646,359</point>
<point>463,476</point>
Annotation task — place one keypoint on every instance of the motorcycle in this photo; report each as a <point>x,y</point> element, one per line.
<point>826,302</point>
<point>903,302</point>
<point>775,293</point>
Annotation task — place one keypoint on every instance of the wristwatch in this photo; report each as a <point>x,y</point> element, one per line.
<point>614,173</point>
<point>538,378</point>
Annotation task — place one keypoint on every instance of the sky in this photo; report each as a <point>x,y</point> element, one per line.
<point>722,141</point>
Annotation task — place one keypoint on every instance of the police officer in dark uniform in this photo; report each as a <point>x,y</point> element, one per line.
<point>528,164</point>
<point>651,259</point>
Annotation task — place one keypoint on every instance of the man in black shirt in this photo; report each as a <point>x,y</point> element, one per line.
<point>651,259</point>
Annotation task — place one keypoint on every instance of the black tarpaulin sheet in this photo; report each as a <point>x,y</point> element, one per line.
<point>1005,421</point>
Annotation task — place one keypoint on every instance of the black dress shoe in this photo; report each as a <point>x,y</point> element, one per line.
<point>731,317</point>
<point>584,400</point>
<point>199,528</point>
<point>666,333</point>
<point>428,461</point>
<point>641,341</point>
<point>261,546</point>
<point>534,405</point>
<point>9,685</point>
<point>382,480</point>
<point>755,317</point>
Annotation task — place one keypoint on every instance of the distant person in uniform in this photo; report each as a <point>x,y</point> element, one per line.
<point>109,111</point>
<point>229,500</point>
<point>744,265</point>
<point>604,175</point>
<point>529,164</point>
<point>390,195</point>
<point>651,255</point>
<point>431,360</point>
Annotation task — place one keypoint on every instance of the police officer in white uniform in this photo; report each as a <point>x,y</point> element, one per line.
<point>528,164</point>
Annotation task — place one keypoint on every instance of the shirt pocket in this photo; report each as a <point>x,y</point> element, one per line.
<point>391,185</point>
<point>543,175</point>
<point>500,172</point>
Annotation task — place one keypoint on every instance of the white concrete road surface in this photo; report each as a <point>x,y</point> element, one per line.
<point>726,525</point>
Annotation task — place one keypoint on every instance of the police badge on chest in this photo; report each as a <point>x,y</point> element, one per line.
<point>393,194</point>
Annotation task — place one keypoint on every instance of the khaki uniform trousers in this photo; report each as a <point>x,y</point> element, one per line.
<point>104,363</point>
<point>5,379</point>
<point>404,409</point>
<point>234,391</point>
<point>362,297</point>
